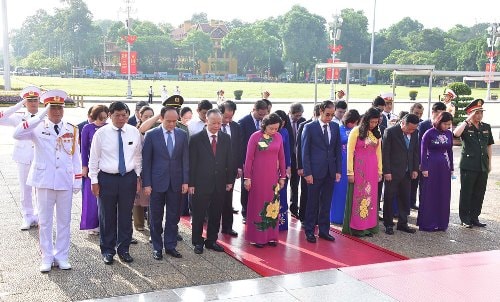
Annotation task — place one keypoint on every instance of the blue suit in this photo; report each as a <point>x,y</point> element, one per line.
<point>247,125</point>
<point>323,161</point>
<point>165,174</point>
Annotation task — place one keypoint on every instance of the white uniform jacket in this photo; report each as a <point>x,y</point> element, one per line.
<point>57,163</point>
<point>13,116</point>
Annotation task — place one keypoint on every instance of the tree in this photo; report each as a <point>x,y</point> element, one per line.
<point>198,47</point>
<point>199,18</point>
<point>304,37</point>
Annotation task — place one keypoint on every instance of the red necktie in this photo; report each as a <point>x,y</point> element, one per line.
<point>214,143</point>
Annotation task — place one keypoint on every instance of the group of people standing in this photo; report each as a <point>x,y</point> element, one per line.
<point>173,165</point>
<point>398,156</point>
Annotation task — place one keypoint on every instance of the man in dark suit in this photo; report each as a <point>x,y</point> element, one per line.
<point>322,161</point>
<point>400,159</point>
<point>295,118</point>
<point>249,124</point>
<point>165,172</point>
<point>230,127</point>
<point>211,175</point>
<point>379,104</point>
<point>300,167</point>
<point>135,118</point>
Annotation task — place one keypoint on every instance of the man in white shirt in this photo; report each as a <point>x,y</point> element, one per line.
<point>115,165</point>
<point>340,110</point>
<point>198,122</point>
<point>23,152</point>
<point>56,173</point>
<point>389,103</point>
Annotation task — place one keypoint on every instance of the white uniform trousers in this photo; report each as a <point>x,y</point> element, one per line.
<point>29,207</point>
<point>62,201</point>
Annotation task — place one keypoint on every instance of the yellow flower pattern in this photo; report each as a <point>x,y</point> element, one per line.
<point>272,210</point>
<point>363,208</point>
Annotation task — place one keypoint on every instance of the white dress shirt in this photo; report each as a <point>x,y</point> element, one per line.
<point>104,151</point>
<point>195,125</point>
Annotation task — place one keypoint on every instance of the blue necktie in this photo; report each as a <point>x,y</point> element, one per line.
<point>257,124</point>
<point>170,143</point>
<point>224,128</point>
<point>407,141</point>
<point>121,156</point>
<point>325,134</point>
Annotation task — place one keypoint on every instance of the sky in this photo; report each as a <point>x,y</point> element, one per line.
<point>443,14</point>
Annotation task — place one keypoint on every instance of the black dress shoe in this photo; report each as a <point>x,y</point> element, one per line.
<point>272,243</point>
<point>198,249</point>
<point>389,231</point>
<point>179,237</point>
<point>467,225</point>
<point>235,211</point>
<point>295,215</point>
<point>125,257</point>
<point>311,238</point>
<point>108,259</point>
<point>133,241</point>
<point>405,229</point>
<point>174,253</point>
<point>414,207</point>
<point>214,246</point>
<point>257,245</point>
<point>230,233</point>
<point>326,237</point>
<point>478,224</point>
<point>157,255</point>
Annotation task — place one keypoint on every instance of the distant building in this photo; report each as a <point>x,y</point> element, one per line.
<point>219,62</point>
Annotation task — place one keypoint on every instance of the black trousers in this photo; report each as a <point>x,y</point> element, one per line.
<point>414,189</point>
<point>243,198</point>
<point>168,202</point>
<point>472,189</point>
<point>294,187</point>
<point>399,188</point>
<point>150,98</point>
<point>227,210</point>
<point>203,204</point>
<point>303,199</point>
<point>116,200</point>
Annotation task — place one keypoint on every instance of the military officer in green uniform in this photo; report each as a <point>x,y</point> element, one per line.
<point>475,163</point>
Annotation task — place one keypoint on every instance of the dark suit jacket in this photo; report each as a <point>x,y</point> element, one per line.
<point>298,144</point>
<point>396,158</point>
<point>236,146</point>
<point>293,143</point>
<point>318,158</point>
<point>247,128</point>
<point>158,168</point>
<point>132,121</point>
<point>207,172</point>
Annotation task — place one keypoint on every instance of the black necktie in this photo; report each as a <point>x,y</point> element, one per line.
<point>33,115</point>
<point>224,128</point>
<point>56,129</point>
<point>325,134</point>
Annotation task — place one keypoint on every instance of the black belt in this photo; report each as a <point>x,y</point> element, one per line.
<point>116,174</point>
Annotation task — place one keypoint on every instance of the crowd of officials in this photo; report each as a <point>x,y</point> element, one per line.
<point>180,162</point>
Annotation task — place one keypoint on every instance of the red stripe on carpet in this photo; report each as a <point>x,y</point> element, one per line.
<point>294,254</point>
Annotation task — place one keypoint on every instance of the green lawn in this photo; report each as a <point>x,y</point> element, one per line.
<point>195,89</point>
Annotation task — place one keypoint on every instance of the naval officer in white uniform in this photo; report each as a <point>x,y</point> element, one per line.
<point>23,152</point>
<point>56,172</point>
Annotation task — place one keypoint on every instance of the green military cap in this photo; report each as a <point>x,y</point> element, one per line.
<point>174,101</point>
<point>475,105</point>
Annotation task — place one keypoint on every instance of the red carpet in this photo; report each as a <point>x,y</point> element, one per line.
<point>294,254</point>
<point>462,277</point>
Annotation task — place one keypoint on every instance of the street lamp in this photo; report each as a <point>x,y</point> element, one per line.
<point>492,40</point>
<point>334,36</point>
